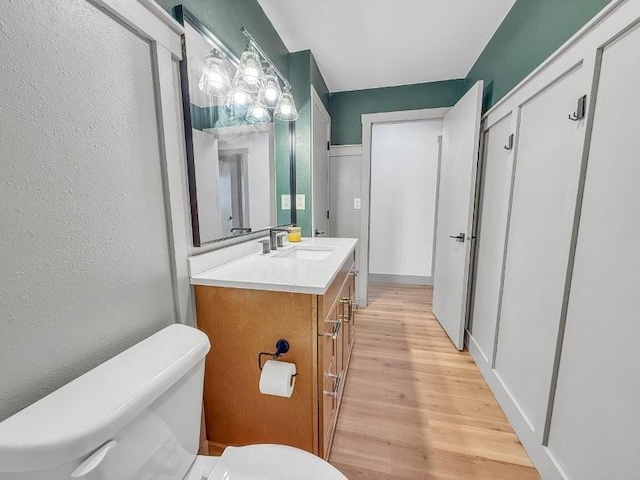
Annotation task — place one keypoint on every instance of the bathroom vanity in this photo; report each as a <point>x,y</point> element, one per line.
<point>245,302</point>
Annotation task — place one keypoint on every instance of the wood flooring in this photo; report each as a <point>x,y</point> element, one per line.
<point>414,408</point>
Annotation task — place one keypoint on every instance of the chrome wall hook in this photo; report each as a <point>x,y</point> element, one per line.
<point>509,145</point>
<point>581,111</point>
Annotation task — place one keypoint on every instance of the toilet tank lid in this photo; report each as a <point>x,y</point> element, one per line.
<point>80,416</point>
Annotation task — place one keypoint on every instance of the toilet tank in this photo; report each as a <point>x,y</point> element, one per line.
<point>136,416</point>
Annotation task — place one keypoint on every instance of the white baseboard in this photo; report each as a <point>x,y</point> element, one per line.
<point>539,454</point>
<point>402,279</point>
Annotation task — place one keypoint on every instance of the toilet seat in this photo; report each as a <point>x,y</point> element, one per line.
<point>271,462</point>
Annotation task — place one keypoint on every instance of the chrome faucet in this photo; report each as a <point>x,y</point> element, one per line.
<point>273,236</point>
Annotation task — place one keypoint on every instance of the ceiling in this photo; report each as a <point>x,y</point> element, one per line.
<point>362,44</point>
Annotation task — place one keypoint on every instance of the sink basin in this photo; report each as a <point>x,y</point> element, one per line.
<point>306,253</point>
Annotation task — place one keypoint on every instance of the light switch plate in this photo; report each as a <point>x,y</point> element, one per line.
<point>285,201</point>
<point>357,204</point>
<point>300,201</point>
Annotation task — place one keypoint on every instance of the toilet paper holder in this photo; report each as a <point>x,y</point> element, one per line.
<point>282,347</point>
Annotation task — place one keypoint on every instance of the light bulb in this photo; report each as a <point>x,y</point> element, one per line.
<point>258,112</point>
<point>286,109</point>
<point>251,75</point>
<point>216,80</point>
<point>240,98</point>
<point>271,94</point>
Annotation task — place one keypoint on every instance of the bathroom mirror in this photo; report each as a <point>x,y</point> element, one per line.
<point>230,152</point>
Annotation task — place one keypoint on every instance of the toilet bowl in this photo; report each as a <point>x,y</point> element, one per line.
<point>137,417</point>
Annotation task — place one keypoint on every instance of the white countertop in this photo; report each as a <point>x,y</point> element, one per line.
<point>259,271</point>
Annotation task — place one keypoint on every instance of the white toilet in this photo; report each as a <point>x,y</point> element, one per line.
<point>137,417</point>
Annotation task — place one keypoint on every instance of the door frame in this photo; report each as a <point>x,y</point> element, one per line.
<point>317,102</point>
<point>368,120</point>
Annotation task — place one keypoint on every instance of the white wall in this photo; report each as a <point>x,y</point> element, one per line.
<point>404,164</point>
<point>85,260</point>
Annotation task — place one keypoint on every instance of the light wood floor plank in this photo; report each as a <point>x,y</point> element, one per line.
<point>414,408</point>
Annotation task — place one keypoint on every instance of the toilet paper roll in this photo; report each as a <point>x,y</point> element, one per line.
<point>277,378</point>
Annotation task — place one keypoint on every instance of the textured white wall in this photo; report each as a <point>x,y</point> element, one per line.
<point>84,254</point>
<point>404,167</point>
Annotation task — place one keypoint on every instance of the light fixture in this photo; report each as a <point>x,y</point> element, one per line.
<point>271,92</point>
<point>258,112</point>
<point>249,74</point>
<point>286,109</point>
<point>239,100</point>
<point>214,79</point>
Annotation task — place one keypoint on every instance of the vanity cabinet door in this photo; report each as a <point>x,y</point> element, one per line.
<point>330,343</point>
<point>354,309</point>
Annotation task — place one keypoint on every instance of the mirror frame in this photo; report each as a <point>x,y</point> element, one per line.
<point>182,15</point>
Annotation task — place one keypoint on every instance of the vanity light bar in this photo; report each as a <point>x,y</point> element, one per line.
<point>260,51</point>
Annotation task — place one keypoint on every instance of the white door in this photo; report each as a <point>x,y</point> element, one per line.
<point>460,140</point>
<point>320,197</point>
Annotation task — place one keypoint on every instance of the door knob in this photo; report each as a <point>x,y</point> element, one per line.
<point>458,238</point>
<point>319,233</point>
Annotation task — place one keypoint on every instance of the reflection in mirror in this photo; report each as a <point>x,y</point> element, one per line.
<point>230,141</point>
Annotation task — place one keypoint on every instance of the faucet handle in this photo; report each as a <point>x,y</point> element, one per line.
<point>266,245</point>
<point>280,239</point>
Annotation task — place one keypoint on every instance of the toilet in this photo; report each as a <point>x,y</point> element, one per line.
<point>137,417</point>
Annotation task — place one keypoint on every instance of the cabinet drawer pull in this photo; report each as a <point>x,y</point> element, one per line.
<point>336,330</point>
<point>336,387</point>
<point>347,301</point>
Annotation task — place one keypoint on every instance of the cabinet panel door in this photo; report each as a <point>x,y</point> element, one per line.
<point>329,382</point>
<point>496,174</point>
<point>595,427</point>
<point>549,153</point>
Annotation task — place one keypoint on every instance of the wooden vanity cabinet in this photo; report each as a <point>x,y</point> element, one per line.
<point>240,324</point>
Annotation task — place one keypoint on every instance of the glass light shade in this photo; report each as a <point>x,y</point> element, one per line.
<point>214,79</point>
<point>249,74</point>
<point>271,94</point>
<point>258,113</point>
<point>286,109</point>
<point>239,100</point>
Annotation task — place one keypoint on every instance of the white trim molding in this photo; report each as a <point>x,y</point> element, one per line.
<point>345,150</point>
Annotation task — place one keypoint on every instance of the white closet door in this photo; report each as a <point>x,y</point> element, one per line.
<point>321,125</point>
<point>497,171</point>
<point>595,427</point>
<point>549,153</point>
<point>456,193</point>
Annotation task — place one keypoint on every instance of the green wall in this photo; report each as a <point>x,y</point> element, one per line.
<point>346,108</point>
<point>225,17</point>
<point>530,32</point>
<point>304,72</point>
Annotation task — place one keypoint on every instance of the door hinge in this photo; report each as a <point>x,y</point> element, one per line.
<point>327,214</point>
<point>328,145</point>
